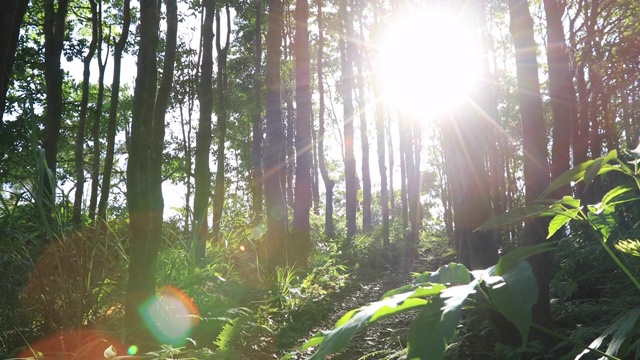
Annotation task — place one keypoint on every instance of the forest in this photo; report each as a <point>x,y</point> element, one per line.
<point>311,179</point>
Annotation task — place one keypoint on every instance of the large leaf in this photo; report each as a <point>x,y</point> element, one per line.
<point>452,273</point>
<point>514,294</point>
<point>516,215</point>
<point>419,290</point>
<point>559,220</point>
<point>434,327</point>
<point>355,320</point>
<point>621,330</point>
<point>514,257</point>
<point>603,220</point>
<point>586,171</point>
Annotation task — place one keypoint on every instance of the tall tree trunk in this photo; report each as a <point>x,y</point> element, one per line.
<point>202,173</point>
<point>97,116</point>
<point>404,143</point>
<point>55,19</point>
<point>364,141</point>
<point>12,14</point>
<point>536,170</point>
<point>300,241</point>
<point>274,151</point>
<point>380,142</point>
<point>351,185</point>
<point>324,172</point>
<point>560,90</point>
<point>113,111</point>
<point>82,118</point>
<point>222,114</point>
<point>287,40</point>
<point>256,149</point>
<point>142,219</point>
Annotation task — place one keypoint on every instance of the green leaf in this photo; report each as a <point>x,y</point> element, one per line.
<point>514,294</point>
<point>452,273</point>
<point>434,327</point>
<point>514,216</point>
<point>355,320</point>
<point>514,257</point>
<point>622,329</point>
<point>603,220</point>
<point>559,220</point>
<point>569,177</point>
<point>419,290</point>
<point>615,193</point>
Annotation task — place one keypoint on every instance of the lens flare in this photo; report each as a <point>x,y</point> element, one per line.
<point>171,316</point>
<point>242,248</point>
<point>132,350</point>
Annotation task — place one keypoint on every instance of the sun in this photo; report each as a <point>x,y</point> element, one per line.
<point>429,63</point>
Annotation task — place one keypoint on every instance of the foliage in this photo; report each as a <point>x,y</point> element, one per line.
<point>602,219</point>
<point>509,288</point>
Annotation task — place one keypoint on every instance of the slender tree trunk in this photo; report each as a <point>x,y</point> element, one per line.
<point>300,241</point>
<point>12,14</point>
<point>315,171</point>
<point>288,99</point>
<point>113,112</point>
<point>82,118</point>
<point>346,57</point>
<point>324,172</point>
<point>256,152</point>
<point>274,151</point>
<point>380,143</point>
<point>202,174</point>
<point>536,170</point>
<point>55,18</point>
<point>392,193</point>
<point>364,141</point>
<point>404,141</point>
<point>221,78</point>
<point>144,243</point>
<point>95,129</point>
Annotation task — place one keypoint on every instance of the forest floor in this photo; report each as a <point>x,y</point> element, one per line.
<point>366,285</point>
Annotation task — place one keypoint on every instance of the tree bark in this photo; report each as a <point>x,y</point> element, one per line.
<point>113,111</point>
<point>142,217</point>
<point>380,142</point>
<point>222,114</point>
<point>97,116</point>
<point>274,151</point>
<point>301,229</point>
<point>257,141</point>
<point>346,63</point>
<point>202,173</point>
<point>364,141</point>
<point>324,172</point>
<point>54,32</point>
<point>82,118</point>
<point>536,170</point>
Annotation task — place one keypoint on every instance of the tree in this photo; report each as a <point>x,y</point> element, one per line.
<point>346,63</point>
<point>144,168</point>
<point>561,90</point>
<point>82,117</point>
<point>324,172</point>
<point>300,241</point>
<point>113,110</point>
<point>13,12</point>
<point>256,148</point>
<point>97,117</point>
<point>380,141</point>
<point>222,115</point>
<point>536,170</point>
<point>203,136</point>
<point>274,151</point>
<point>364,141</point>
<point>55,18</point>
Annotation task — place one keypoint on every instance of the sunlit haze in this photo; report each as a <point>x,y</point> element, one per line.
<point>428,62</point>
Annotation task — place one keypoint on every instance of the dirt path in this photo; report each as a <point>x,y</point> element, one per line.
<point>380,339</point>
